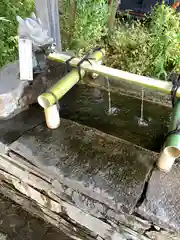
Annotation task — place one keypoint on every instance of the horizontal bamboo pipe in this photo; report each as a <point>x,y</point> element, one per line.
<point>158,85</point>
<point>58,90</point>
<point>47,99</point>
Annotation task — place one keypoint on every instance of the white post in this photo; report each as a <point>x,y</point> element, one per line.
<point>47,12</point>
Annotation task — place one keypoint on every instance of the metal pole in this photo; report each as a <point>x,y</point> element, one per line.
<point>47,12</point>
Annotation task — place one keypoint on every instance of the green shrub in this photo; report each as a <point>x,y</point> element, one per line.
<point>150,48</point>
<point>84,23</point>
<point>8,25</point>
<point>128,48</point>
<point>165,31</point>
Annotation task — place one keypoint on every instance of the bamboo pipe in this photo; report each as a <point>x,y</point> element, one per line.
<point>158,85</point>
<point>47,99</point>
<point>52,116</point>
<point>171,149</point>
<point>58,90</point>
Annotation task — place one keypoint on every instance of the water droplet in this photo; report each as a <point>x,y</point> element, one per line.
<point>142,122</point>
<point>109,95</point>
<point>113,111</point>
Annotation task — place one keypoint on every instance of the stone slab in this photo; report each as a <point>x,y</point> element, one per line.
<point>9,78</point>
<point>13,128</point>
<point>105,168</point>
<point>17,95</point>
<point>17,224</point>
<point>12,221</point>
<point>52,234</point>
<point>11,90</point>
<point>162,202</point>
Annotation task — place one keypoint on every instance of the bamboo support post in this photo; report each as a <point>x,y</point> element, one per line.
<point>57,91</point>
<point>171,149</point>
<point>158,85</point>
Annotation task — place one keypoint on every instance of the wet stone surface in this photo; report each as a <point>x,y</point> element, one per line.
<point>16,224</point>
<point>102,167</point>
<point>162,201</point>
<point>12,129</point>
<point>114,170</point>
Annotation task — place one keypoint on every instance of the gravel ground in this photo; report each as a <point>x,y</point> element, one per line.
<point>16,224</point>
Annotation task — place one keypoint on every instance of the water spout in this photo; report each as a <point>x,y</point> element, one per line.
<point>52,116</point>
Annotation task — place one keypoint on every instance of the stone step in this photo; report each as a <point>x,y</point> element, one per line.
<point>17,224</point>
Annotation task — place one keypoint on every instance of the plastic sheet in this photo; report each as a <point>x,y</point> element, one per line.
<point>47,12</point>
<point>32,29</point>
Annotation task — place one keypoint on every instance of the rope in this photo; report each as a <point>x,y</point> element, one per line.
<point>175,87</point>
<point>176,131</point>
<point>68,66</point>
<point>56,100</point>
<point>86,58</point>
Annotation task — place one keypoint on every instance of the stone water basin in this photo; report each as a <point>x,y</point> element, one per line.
<point>99,167</point>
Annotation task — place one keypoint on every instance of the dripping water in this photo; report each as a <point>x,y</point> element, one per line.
<point>111,110</point>
<point>109,95</point>
<point>141,120</point>
<point>142,106</point>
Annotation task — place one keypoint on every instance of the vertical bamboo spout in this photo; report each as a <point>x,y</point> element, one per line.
<point>52,116</point>
<point>171,150</point>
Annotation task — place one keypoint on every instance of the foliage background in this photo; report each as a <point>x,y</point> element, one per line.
<point>9,9</point>
<point>150,47</point>
<point>83,23</point>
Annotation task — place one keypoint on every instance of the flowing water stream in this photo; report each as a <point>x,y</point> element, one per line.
<point>119,115</point>
<point>141,120</point>
<point>111,110</point>
<point>109,97</point>
<point>115,111</point>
